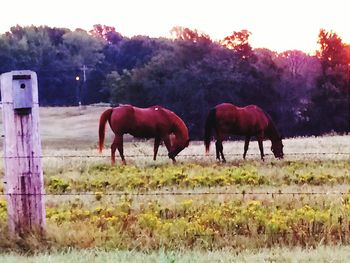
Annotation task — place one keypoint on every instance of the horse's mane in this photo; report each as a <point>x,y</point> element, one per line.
<point>179,125</point>
<point>271,127</point>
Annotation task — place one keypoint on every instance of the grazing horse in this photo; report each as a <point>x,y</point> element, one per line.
<point>153,122</point>
<point>226,119</point>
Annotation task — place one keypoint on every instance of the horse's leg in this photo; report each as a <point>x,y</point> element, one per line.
<point>117,143</point>
<point>217,146</point>
<point>167,143</point>
<point>121,149</point>
<point>157,141</point>
<point>246,145</point>
<point>260,142</point>
<point>220,150</point>
<point>113,148</point>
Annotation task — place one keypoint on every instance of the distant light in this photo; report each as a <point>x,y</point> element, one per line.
<point>77,78</point>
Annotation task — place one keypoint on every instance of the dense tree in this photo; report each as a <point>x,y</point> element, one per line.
<point>329,105</point>
<point>239,41</point>
<point>187,34</point>
<point>298,79</point>
<point>188,74</point>
<point>107,33</point>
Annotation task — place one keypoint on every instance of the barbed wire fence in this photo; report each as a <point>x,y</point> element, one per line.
<point>179,192</point>
<point>180,155</point>
<point>170,193</point>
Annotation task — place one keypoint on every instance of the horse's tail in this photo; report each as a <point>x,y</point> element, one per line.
<point>105,116</point>
<point>209,125</point>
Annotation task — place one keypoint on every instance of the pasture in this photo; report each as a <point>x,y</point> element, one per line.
<point>245,210</point>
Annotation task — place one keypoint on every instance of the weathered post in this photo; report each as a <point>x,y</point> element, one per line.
<point>23,180</point>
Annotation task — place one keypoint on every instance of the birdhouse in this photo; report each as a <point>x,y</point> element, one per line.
<point>22,92</point>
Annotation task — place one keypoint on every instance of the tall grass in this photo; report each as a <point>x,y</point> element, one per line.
<point>336,254</point>
<point>256,205</point>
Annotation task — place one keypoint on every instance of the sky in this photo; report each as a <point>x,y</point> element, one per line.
<point>278,25</point>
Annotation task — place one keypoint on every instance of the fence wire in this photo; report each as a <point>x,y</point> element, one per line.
<point>169,193</point>
<point>165,155</point>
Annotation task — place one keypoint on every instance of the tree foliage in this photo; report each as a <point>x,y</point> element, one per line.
<point>188,74</point>
<point>330,104</point>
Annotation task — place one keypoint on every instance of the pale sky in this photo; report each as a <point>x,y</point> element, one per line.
<point>275,24</point>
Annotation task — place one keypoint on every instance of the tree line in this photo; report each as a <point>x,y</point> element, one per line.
<point>189,74</point>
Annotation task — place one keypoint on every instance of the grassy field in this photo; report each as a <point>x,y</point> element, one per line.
<point>335,254</point>
<point>245,211</point>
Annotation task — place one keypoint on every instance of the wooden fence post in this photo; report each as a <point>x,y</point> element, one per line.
<point>23,180</point>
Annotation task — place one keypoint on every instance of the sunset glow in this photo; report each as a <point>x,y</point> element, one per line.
<point>276,25</point>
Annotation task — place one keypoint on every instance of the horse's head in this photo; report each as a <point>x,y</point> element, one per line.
<point>177,145</point>
<point>179,137</point>
<point>277,148</point>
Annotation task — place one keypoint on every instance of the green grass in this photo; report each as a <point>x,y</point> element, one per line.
<point>231,205</point>
<point>241,211</point>
<point>191,176</point>
<point>200,223</point>
<point>320,254</point>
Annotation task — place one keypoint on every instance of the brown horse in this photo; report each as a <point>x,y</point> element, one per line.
<point>227,119</point>
<point>153,122</point>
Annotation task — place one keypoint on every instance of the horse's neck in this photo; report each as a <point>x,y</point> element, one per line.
<point>271,132</point>
<point>179,129</point>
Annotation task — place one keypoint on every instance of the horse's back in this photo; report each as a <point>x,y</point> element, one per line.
<point>140,122</point>
<point>256,114</point>
<point>227,118</point>
<point>136,114</point>
<point>248,120</point>
<point>122,118</point>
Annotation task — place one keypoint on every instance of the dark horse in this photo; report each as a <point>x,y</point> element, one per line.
<point>227,119</point>
<point>153,122</point>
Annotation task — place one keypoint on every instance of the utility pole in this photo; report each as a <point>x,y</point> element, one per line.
<point>84,69</point>
<point>83,86</point>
